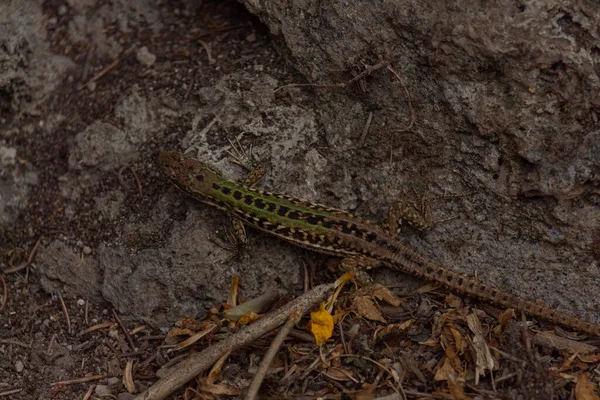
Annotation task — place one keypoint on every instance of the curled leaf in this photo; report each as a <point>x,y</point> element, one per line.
<point>321,324</point>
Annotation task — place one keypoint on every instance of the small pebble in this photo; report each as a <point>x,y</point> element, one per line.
<point>62,9</point>
<point>251,37</point>
<point>19,366</point>
<point>145,57</point>
<point>113,381</point>
<point>81,302</point>
<point>87,250</point>
<point>103,390</point>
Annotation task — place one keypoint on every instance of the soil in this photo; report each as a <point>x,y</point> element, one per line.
<point>95,242</point>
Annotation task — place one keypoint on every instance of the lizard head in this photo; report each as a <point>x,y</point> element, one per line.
<point>191,176</point>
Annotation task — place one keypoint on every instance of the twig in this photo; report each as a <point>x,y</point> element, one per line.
<point>208,53</point>
<point>410,106</point>
<point>87,306</point>
<point>127,335</point>
<point>270,355</point>
<point>15,342</point>
<point>178,375</point>
<point>342,85</point>
<point>66,312</point>
<point>102,72</point>
<point>4,292</point>
<point>135,176</point>
<point>34,250</point>
<point>9,392</point>
<point>79,380</point>
<point>27,263</point>
<point>365,131</point>
<point>89,392</point>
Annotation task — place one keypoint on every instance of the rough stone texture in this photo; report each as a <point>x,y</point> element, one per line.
<point>505,99</point>
<point>504,117</point>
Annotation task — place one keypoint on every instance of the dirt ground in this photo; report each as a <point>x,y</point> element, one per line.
<point>100,256</point>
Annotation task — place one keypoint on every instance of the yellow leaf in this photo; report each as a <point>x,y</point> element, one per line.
<point>321,324</point>
<point>583,389</point>
<point>248,318</point>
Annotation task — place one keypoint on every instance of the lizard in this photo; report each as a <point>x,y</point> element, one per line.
<point>359,242</point>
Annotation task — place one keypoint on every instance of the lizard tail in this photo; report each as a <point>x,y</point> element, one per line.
<point>414,264</point>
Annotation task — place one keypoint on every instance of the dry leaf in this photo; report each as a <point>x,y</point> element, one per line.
<point>195,337</point>
<point>455,387</point>
<point>248,318</point>
<point>365,307</point>
<point>383,293</point>
<point>180,332</point>
<point>340,374</point>
<point>258,305</point>
<point>387,329</point>
<point>128,377</point>
<point>444,371</point>
<point>192,324</point>
<point>321,324</point>
<point>233,292</point>
<point>583,389</point>
<point>506,316</point>
<point>453,301</point>
<point>550,340</point>
<point>483,356</point>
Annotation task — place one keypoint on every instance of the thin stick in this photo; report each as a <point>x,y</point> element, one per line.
<point>4,292</point>
<point>104,71</point>
<point>368,71</point>
<point>197,363</point>
<point>9,392</point>
<point>66,312</point>
<point>79,380</point>
<point>410,106</point>
<point>270,355</point>
<point>127,335</point>
<point>365,131</point>
<point>208,52</point>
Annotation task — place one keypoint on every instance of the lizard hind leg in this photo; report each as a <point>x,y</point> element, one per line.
<point>359,265</point>
<point>417,214</point>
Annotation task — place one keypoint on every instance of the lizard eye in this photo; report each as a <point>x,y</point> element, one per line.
<point>200,178</point>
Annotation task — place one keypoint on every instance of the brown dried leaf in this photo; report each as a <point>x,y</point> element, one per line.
<point>366,393</point>
<point>219,389</point>
<point>584,390</point>
<point>453,301</point>
<point>195,337</point>
<point>365,307</point>
<point>248,318</point>
<point>233,292</point>
<point>550,340</point>
<point>128,377</point>
<point>387,329</point>
<point>483,356</point>
<point>444,371</point>
<point>506,316</point>
<point>215,371</point>
<point>340,374</point>
<point>192,324</point>
<point>180,332</point>
<point>383,293</point>
<point>455,387</point>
